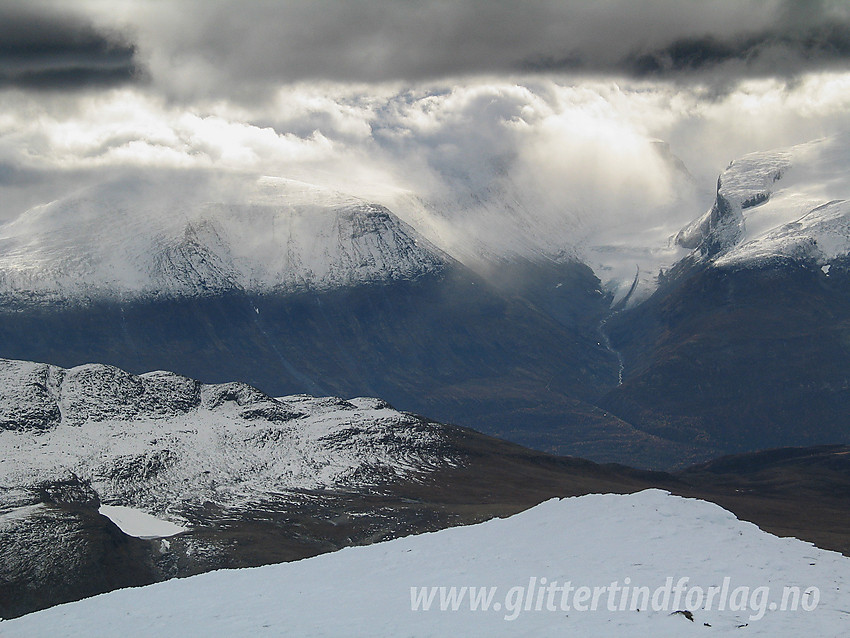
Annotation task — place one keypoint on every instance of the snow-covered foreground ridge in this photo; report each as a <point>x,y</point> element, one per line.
<point>158,440</point>
<point>586,542</point>
<point>785,204</point>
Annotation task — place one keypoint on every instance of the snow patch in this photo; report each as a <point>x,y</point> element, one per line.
<point>134,522</point>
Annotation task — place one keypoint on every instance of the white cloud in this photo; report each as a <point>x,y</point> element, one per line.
<point>522,164</point>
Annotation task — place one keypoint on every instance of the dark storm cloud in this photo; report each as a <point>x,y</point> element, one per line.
<point>217,45</point>
<point>42,48</point>
<point>797,35</point>
<point>766,53</point>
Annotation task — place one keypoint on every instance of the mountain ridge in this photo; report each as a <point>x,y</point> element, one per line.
<point>126,239</point>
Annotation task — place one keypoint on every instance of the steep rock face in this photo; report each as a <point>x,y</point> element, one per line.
<point>778,206</point>
<point>745,183</point>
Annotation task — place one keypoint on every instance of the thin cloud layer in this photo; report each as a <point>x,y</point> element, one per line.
<point>567,153</point>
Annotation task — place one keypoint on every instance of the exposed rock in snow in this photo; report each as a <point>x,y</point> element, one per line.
<point>159,440</point>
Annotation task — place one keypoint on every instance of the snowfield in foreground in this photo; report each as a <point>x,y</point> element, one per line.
<point>649,539</point>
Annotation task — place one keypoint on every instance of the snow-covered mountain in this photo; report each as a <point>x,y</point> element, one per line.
<point>137,237</point>
<point>196,477</point>
<point>743,345</point>
<point>520,569</point>
<point>779,205</point>
<point>163,442</point>
<point>296,289</point>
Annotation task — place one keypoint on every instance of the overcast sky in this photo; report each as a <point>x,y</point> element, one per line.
<point>563,103</point>
<point>224,47</point>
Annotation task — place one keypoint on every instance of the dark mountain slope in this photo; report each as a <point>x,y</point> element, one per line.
<point>739,359</point>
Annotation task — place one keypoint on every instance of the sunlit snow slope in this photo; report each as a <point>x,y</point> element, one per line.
<point>589,541</point>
